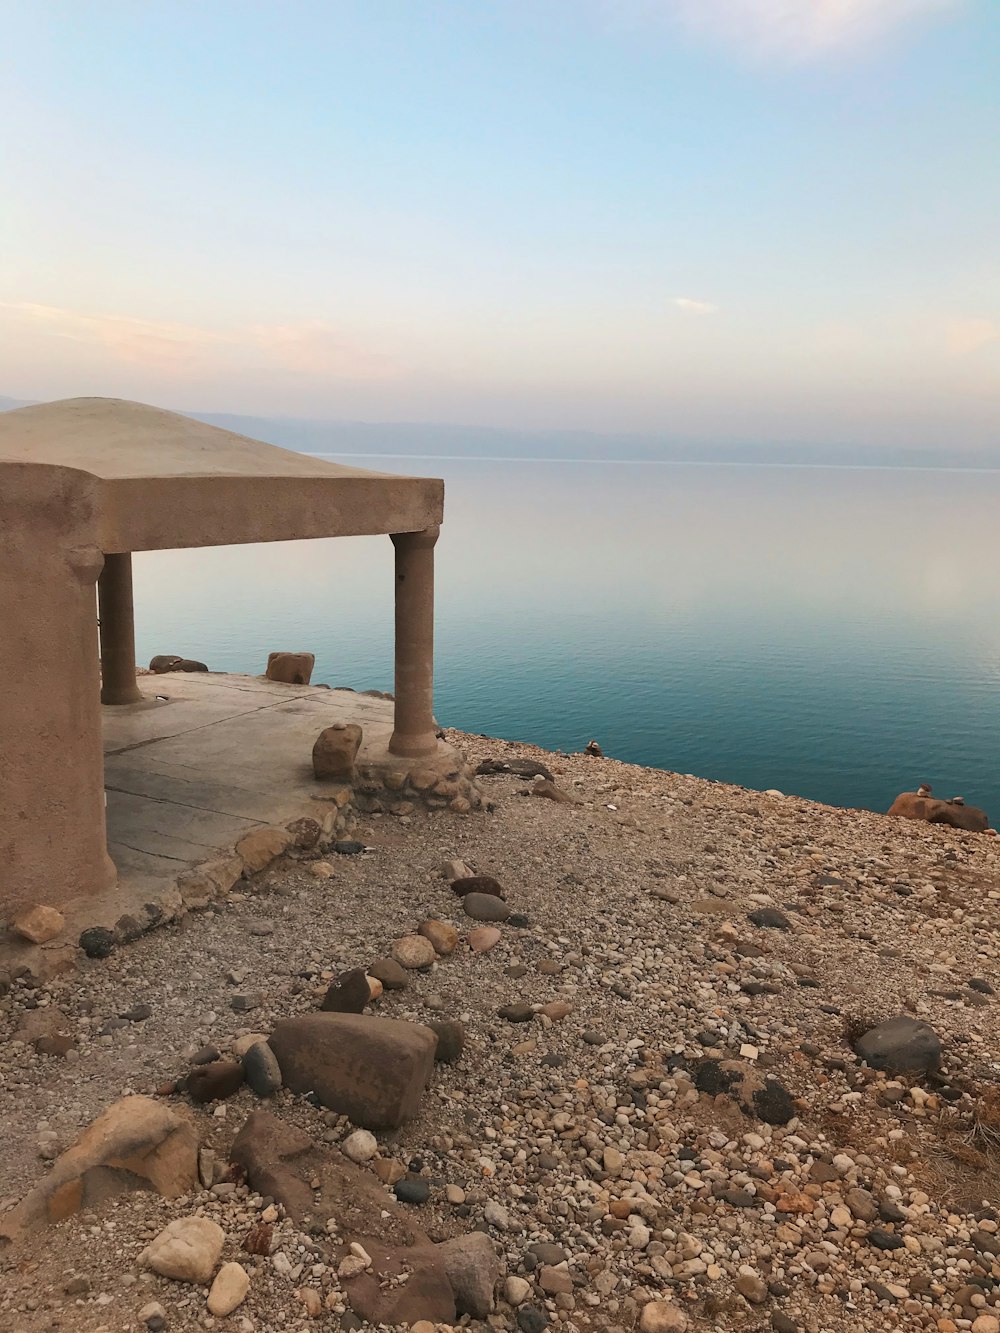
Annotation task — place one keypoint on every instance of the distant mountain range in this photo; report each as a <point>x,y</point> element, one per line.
<point>438,440</point>
<point>429,440</point>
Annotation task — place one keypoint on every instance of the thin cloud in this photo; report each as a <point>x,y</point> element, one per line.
<point>692,307</point>
<point>309,347</point>
<point>966,336</point>
<point>801,29</point>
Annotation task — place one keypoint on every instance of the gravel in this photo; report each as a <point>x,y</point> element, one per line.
<point>581,1142</point>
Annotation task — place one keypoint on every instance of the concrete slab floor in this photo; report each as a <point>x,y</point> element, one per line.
<point>201,761</point>
<point>209,757</point>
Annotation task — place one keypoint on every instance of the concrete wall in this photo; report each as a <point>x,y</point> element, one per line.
<point>52,826</point>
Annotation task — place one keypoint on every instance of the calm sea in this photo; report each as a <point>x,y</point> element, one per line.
<point>833,632</point>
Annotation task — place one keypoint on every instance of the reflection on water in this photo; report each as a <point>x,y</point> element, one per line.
<point>834,633</point>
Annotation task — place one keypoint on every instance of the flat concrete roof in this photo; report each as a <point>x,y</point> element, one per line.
<point>166,481</point>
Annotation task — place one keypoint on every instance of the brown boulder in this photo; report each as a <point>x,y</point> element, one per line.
<point>348,994</point>
<point>371,1069</point>
<point>335,752</point>
<point>313,1182</point>
<point>955,813</point>
<point>290,668</point>
<point>379,1297</point>
<point>215,1082</point>
<point>164,662</point>
<point>137,1143</point>
<point>282,1161</point>
<point>477,884</point>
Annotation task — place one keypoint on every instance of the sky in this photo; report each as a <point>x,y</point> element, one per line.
<point>707,220</point>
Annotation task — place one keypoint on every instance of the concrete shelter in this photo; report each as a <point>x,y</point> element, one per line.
<point>83,484</point>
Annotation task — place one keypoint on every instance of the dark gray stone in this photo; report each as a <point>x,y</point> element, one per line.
<point>517,1013</point>
<point>885,1240</point>
<point>773,1103</point>
<point>770,918</point>
<point>484,907</point>
<point>737,1198</point>
<point>128,928</point>
<point>390,973</point>
<point>532,1320</point>
<point>261,1070</point>
<point>412,1189</point>
<point>451,1040</point>
<point>97,941</point>
<point>901,1045</point>
<point>206,1055</point>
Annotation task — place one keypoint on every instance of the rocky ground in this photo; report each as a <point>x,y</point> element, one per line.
<point>593,1126</point>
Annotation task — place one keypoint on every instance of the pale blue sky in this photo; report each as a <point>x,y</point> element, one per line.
<point>715,219</point>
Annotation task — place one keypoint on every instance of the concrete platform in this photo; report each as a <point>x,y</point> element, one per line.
<point>207,758</point>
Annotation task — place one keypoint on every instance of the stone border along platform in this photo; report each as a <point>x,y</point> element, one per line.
<point>389,785</point>
<point>434,784</point>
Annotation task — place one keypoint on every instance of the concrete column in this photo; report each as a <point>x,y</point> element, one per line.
<point>114,597</point>
<point>414,733</point>
<point>53,846</point>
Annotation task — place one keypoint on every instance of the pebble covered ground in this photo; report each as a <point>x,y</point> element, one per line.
<point>572,1129</point>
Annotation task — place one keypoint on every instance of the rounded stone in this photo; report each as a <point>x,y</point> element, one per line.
<point>186,1250</point>
<point>900,1045</point>
<point>348,994</point>
<point>414,952</point>
<point>485,907</point>
<point>389,972</point>
<point>752,1286</point>
<point>261,1070</point>
<point>484,938</point>
<point>232,1282</point>
<point>412,1189</point>
<point>662,1317</point>
<point>516,1290</point>
<point>443,937</point>
<point>361,1146</point>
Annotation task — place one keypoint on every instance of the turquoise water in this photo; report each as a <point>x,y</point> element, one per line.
<point>831,632</point>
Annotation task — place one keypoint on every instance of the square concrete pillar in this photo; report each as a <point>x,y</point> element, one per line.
<point>53,844</point>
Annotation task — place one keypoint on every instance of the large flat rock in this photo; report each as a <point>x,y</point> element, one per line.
<point>371,1069</point>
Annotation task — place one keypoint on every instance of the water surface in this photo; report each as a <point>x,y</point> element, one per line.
<point>833,632</point>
